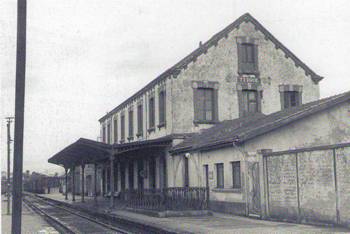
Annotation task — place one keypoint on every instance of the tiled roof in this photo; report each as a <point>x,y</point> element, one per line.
<point>213,41</point>
<point>243,129</point>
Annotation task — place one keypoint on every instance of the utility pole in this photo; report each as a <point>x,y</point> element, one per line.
<point>19,117</point>
<point>9,121</point>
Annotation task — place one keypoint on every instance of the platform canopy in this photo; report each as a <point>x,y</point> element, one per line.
<point>83,151</point>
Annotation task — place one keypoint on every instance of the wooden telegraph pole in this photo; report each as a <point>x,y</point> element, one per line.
<point>19,117</point>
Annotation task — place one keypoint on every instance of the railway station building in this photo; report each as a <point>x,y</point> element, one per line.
<point>207,127</point>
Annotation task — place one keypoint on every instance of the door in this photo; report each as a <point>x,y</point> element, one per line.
<point>254,206</point>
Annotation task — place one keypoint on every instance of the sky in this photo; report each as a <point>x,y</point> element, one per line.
<point>84,57</point>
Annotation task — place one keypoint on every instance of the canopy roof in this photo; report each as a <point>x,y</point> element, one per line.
<point>81,151</point>
<point>85,151</point>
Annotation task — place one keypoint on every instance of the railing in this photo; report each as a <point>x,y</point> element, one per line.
<point>176,198</point>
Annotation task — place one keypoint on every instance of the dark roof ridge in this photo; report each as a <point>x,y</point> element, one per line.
<point>176,69</point>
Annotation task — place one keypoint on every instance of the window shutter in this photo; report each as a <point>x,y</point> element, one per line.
<point>300,100</point>
<point>239,57</point>
<point>215,105</point>
<point>256,68</point>
<point>196,103</point>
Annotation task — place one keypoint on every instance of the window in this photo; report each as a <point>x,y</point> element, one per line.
<point>122,128</point>
<point>162,113</point>
<point>291,99</point>
<point>236,174</point>
<point>115,129</point>
<point>204,104</point>
<point>108,133</point>
<point>104,134</point>
<point>131,124</point>
<point>139,120</point>
<point>247,57</point>
<point>151,113</point>
<point>220,175</point>
<point>249,101</point>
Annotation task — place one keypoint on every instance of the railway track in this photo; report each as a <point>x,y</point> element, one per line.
<point>68,220</point>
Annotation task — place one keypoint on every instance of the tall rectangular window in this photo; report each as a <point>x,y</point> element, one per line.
<point>131,124</point>
<point>291,99</point>
<point>108,133</point>
<point>139,120</point>
<point>122,128</point>
<point>115,124</point>
<point>204,104</point>
<point>236,174</point>
<point>247,57</point>
<point>162,108</point>
<point>249,101</point>
<point>104,134</point>
<point>151,106</point>
<point>219,175</point>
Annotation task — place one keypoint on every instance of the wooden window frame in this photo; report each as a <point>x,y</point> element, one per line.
<point>162,108</point>
<point>115,129</point>
<point>139,120</point>
<point>235,165</point>
<point>247,64</point>
<point>220,185</point>
<point>199,106</point>
<point>109,133</point>
<point>122,128</point>
<point>131,124</point>
<point>151,114</point>
<point>104,133</point>
<point>246,101</point>
<point>285,91</point>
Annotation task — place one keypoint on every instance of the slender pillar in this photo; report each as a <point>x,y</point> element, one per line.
<point>73,183</point>
<point>106,179</point>
<point>66,182</point>
<point>95,183</point>
<point>112,179</point>
<point>83,183</point>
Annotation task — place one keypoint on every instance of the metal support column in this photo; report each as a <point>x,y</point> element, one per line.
<point>83,183</point>
<point>73,183</point>
<point>66,182</point>
<point>112,179</point>
<point>95,183</point>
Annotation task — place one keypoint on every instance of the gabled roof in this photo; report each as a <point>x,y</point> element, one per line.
<point>243,129</point>
<point>213,41</point>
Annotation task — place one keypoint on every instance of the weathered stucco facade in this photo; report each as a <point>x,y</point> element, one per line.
<point>217,61</point>
<point>330,126</point>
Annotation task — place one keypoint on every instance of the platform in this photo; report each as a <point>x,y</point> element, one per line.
<point>217,223</point>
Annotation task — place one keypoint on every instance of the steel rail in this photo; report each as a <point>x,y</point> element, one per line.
<point>62,225</point>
